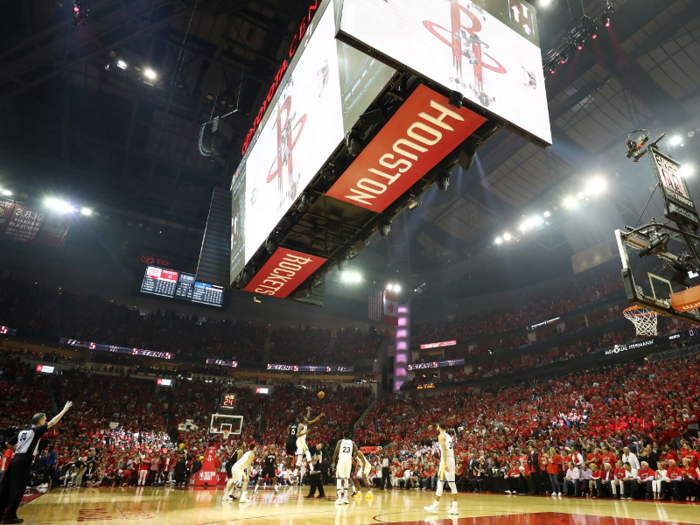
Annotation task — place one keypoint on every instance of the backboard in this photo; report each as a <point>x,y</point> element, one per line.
<point>221,423</point>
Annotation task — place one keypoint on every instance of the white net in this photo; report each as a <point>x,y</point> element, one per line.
<point>644,320</point>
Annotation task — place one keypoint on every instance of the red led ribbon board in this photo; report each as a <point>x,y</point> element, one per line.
<point>283,273</point>
<point>423,131</point>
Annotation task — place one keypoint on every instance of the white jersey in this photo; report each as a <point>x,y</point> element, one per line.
<point>449,445</point>
<point>243,461</point>
<point>300,429</point>
<point>346,449</point>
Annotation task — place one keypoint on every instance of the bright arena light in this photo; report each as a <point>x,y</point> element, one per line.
<point>58,205</point>
<point>687,171</point>
<point>149,74</point>
<point>596,186</point>
<point>569,202</point>
<point>351,277</point>
<point>397,288</point>
<point>545,3</point>
<point>536,221</point>
<point>507,237</point>
<point>498,240</point>
<point>547,215</point>
<point>86,211</point>
<point>675,140</point>
<point>7,193</point>
<point>390,287</point>
<point>121,64</point>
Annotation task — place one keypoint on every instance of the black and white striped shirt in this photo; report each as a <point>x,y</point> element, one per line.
<point>27,441</point>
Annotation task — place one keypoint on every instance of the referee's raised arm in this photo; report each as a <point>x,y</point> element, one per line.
<point>25,444</point>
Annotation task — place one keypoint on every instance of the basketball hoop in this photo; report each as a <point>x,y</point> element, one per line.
<point>644,320</point>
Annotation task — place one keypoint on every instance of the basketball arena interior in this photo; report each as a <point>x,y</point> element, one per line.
<point>350,262</point>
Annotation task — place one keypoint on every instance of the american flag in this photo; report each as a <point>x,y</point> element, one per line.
<point>375,306</point>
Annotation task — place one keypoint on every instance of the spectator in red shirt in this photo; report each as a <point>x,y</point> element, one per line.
<point>554,462</point>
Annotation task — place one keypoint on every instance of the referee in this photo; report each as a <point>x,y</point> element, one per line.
<point>25,445</point>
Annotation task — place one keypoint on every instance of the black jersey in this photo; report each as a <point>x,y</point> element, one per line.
<point>270,462</point>
<point>292,431</point>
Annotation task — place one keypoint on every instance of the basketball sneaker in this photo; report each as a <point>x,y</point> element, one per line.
<point>432,509</point>
<point>345,501</point>
<point>453,510</point>
<point>245,500</point>
<point>369,495</point>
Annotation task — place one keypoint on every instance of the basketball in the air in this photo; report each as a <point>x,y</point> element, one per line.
<point>321,395</point>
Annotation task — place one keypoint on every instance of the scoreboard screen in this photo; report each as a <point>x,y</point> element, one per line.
<point>180,285</point>
<point>159,281</point>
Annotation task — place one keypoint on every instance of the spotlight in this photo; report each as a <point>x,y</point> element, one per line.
<point>149,74</point>
<point>686,171</point>
<point>443,180</point>
<point>675,140</point>
<point>466,159</point>
<point>596,186</point>
<point>385,228</point>
<point>121,64</point>
<point>498,240</point>
<point>7,193</point>
<point>413,203</point>
<point>58,205</point>
<point>569,202</point>
<point>86,211</point>
<point>456,99</point>
<point>390,287</point>
<point>353,143</point>
<point>271,245</point>
<point>594,36</point>
<point>547,215</point>
<point>397,288</point>
<point>580,195</point>
<point>507,237</point>
<point>351,277</point>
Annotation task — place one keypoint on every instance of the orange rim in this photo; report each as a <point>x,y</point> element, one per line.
<point>637,314</point>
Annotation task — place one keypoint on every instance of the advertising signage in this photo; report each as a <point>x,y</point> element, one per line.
<point>283,273</point>
<point>488,50</point>
<point>423,131</point>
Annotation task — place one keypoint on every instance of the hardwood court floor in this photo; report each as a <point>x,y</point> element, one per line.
<point>167,506</point>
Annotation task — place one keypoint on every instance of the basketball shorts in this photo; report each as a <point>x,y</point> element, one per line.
<point>239,475</point>
<point>447,470</point>
<point>268,473</point>
<point>291,447</point>
<point>344,469</point>
<point>302,450</point>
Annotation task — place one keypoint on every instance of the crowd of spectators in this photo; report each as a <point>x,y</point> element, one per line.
<point>119,423</point>
<point>608,432</point>
<point>583,291</point>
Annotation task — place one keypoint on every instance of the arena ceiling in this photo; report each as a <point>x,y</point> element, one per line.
<point>74,122</point>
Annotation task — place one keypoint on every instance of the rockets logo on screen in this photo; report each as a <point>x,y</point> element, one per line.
<point>289,129</point>
<point>466,45</point>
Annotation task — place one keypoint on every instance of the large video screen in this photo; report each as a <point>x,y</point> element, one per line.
<point>305,126</point>
<point>326,88</point>
<point>488,50</point>
<point>180,285</point>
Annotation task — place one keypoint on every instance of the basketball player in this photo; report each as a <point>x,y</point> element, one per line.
<point>363,469</point>
<point>446,472</point>
<point>345,452</point>
<point>269,471</point>
<point>302,451</point>
<point>240,472</point>
<point>291,445</point>
<point>18,472</point>
<point>230,484</point>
